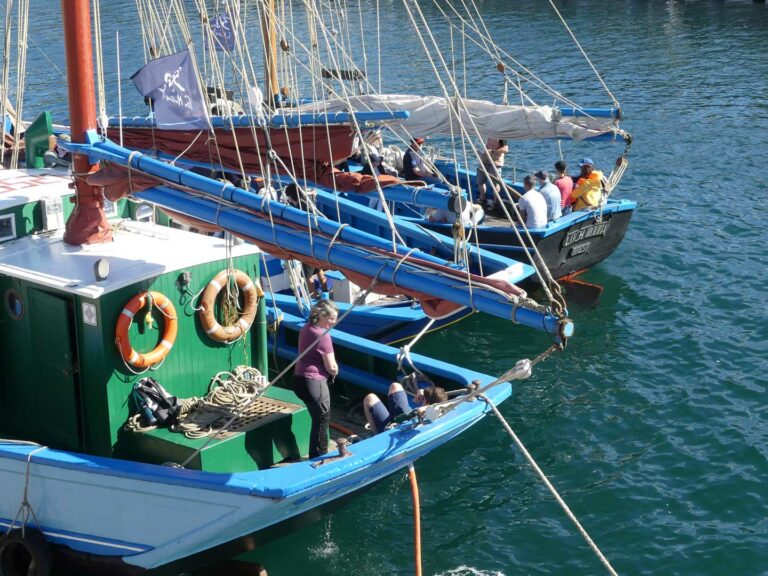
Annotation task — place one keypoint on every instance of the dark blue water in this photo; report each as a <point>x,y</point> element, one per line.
<point>652,424</point>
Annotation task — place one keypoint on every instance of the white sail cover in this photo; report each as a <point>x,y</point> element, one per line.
<point>437,115</point>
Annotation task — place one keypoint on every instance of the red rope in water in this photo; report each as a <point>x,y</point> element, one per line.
<point>416,518</point>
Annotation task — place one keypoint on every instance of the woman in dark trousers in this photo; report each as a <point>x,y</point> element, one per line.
<point>313,371</point>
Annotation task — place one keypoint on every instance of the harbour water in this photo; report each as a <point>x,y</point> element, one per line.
<point>652,424</point>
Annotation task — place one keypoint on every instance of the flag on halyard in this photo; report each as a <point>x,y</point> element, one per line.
<point>172,84</point>
<point>223,35</point>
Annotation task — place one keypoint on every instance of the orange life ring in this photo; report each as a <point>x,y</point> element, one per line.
<point>252,292</point>
<point>123,341</point>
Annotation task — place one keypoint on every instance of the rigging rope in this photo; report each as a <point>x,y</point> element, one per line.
<point>541,269</point>
<point>21,73</point>
<point>103,119</point>
<point>6,106</point>
<point>549,485</point>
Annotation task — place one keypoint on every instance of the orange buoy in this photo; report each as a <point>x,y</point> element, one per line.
<point>251,291</point>
<point>123,340</point>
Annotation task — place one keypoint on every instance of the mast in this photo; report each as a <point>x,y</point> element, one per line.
<point>269,38</point>
<point>88,223</point>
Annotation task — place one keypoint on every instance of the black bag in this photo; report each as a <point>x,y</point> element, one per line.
<point>157,406</point>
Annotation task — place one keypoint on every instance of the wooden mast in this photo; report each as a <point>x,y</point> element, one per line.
<point>88,223</point>
<point>269,36</point>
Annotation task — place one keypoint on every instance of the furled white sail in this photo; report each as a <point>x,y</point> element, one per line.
<point>437,115</point>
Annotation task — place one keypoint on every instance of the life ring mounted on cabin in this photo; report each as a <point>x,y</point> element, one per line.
<point>251,293</point>
<point>170,329</point>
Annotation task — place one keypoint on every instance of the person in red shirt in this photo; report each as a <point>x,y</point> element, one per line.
<point>316,366</point>
<point>565,184</point>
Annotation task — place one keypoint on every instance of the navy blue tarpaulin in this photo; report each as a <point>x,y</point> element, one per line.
<point>171,82</point>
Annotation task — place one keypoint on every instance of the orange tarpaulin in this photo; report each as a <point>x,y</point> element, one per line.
<point>309,153</point>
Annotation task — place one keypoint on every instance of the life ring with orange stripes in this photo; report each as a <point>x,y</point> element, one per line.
<point>170,329</point>
<point>251,293</point>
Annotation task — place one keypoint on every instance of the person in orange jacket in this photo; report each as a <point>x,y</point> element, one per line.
<point>588,191</point>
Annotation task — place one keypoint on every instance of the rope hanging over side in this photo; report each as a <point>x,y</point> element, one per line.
<point>26,512</point>
<point>549,485</point>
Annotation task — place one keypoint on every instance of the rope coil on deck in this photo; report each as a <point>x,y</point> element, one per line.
<point>224,409</point>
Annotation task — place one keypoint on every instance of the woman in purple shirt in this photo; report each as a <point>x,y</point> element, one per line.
<point>314,369</point>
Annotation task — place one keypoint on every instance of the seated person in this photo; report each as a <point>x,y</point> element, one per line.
<point>551,194</point>
<point>320,282</point>
<point>297,198</point>
<point>372,168</point>
<point>414,167</point>
<point>380,416</point>
<point>532,206</point>
<point>565,184</point>
<point>588,190</point>
<point>56,156</point>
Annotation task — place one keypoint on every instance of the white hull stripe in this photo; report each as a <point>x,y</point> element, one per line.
<point>87,540</point>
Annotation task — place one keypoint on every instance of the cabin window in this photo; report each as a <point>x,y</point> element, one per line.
<point>7,227</point>
<point>14,303</point>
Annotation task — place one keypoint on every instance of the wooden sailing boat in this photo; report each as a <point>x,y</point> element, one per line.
<point>87,312</point>
<point>463,124</point>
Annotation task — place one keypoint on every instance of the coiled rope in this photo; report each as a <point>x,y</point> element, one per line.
<point>223,409</point>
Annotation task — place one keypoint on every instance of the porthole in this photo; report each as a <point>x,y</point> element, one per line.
<point>14,303</point>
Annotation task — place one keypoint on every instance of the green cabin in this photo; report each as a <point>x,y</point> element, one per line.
<point>65,384</point>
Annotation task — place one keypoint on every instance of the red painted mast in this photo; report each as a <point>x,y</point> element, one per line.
<point>88,223</point>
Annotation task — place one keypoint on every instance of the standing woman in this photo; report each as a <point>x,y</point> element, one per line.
<point>314,369</point>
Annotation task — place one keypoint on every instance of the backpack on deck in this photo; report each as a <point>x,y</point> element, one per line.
<point>157,406</point>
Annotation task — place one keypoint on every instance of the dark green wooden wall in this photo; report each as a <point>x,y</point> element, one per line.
<point>101,381</point>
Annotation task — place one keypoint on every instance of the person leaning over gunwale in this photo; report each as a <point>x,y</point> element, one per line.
<point>380,417</point>
<point>313,371</point>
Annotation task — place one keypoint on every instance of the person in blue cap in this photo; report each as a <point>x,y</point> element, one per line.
<point>588,191</point>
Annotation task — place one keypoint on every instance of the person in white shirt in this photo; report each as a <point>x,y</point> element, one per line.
<point>532,206</point>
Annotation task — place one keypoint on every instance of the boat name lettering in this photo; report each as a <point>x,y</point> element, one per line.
<point>580,249</point>
<point>587,232</point>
